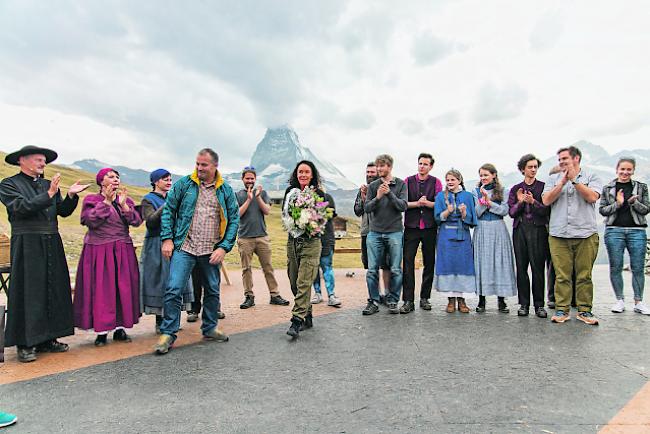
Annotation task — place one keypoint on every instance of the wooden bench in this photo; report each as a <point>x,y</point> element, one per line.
<point>347,250</point>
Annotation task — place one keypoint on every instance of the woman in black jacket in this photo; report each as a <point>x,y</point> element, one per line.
<point>624,204</point>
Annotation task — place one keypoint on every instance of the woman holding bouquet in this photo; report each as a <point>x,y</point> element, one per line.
<point>304,214</point>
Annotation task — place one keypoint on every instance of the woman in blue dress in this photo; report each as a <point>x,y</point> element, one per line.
<point>154,269</point>
<point>493,254</point>
<point>455,213</point>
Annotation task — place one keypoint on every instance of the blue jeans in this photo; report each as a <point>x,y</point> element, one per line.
<point>180,268</point>
<point>384,246</point>
<point>328,275</point>
<point>616,241</point>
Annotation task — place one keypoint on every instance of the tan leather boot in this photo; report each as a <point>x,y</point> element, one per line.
<point>462,307</point>
<point>451,305</point>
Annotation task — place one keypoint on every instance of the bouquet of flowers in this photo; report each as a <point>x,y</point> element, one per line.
<point>305,212</point>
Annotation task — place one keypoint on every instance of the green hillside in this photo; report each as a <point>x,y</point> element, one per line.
<point>72,232</point>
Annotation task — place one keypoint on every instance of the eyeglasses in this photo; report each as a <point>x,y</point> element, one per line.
<point>249,168</point>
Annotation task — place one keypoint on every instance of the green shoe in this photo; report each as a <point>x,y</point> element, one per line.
<point>164,344</point>
<point>7,419</point>
<point>216,335</point>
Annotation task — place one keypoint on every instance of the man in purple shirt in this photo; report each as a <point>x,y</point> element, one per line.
<point>529,235</point>
<point>420,227</point>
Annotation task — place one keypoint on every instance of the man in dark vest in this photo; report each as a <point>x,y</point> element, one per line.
<point>39,302</point>
<point>420,228</point>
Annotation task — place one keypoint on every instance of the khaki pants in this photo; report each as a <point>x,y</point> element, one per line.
<point>303,258</point>
<point>262,248</point>
<point>568,254</point>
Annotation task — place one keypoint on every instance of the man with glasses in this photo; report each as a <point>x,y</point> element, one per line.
<point>254,204</point>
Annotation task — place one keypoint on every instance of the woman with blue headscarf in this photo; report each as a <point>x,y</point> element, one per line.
<point>154,269</point>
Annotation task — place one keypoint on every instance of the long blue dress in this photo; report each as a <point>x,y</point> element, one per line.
<point>154,269</point>
<point>454,271</point>
<point>493,253</point>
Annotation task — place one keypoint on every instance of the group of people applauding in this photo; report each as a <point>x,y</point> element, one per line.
<point>194,222</point>
<point>554,233</point>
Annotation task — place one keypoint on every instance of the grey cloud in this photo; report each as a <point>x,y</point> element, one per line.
<point>410,127</point>
<point>626,125</point>
<point>361,119</point>
<point>496,103</point>
<point>547,31</point>
<point>445,120</point>
<point>328,112</point>
<point>429,49</point>
<point>265,51</point>
<point>371,29</point>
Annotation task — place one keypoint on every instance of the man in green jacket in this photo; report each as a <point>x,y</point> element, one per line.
<point>199,226</point>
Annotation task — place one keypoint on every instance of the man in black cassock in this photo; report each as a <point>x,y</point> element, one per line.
<point>39,299</point>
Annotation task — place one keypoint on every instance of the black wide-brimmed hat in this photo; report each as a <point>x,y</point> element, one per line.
<point>12,158</point>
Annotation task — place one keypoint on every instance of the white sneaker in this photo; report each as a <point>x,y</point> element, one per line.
<point>641,308</point>
<point>619,306</point>
<point>317,298</point>
<point>333,300</point>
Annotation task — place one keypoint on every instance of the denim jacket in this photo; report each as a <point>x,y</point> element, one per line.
<point>639,209</point>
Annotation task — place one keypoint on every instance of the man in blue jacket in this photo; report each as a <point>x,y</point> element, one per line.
<point>199,226</point>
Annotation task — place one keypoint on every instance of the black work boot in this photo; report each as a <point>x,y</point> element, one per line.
<point>481,304</point>
<point>26,354</point>
<point>308,322</point>
<point>248,302</point>
<point>503,307</point>
<point>278,300</point>
<point>294,329</point>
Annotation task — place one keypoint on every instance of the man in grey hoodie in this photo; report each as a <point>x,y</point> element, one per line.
<point>386,200</point>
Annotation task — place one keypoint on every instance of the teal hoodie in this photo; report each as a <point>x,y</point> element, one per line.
<point>179,210</point>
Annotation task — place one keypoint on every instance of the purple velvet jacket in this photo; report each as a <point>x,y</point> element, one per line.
<point>536,213</point>
<point>105,223</point>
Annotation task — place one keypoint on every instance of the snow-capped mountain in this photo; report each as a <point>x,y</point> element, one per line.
<point>130,176</point>
<point>276,156</point>
<point>594,158</point>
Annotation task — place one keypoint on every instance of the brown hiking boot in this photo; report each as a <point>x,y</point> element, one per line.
<point>462,307</point>
<point>451,305</point>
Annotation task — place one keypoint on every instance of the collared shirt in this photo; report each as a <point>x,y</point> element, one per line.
<point>204,230</point>
<point>571,215</point>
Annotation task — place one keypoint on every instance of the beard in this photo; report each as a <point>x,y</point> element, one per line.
<point>370,179</point>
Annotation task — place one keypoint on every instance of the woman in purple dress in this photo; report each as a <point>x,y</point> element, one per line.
<point>107,284</point>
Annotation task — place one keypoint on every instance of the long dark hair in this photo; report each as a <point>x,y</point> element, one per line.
<point>315,180</point>
<point>497,194</point>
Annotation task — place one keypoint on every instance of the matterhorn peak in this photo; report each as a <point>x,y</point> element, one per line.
<point>278,152</point>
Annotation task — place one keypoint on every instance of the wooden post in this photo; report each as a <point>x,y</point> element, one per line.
<point>225,273</point>
<point>2,334</point>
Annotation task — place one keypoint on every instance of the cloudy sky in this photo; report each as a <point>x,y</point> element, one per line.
<point>147,83</point>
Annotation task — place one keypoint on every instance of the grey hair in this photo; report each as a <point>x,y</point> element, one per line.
<point>211,153</point>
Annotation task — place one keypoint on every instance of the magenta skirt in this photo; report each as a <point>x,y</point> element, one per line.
<point>106,294</point>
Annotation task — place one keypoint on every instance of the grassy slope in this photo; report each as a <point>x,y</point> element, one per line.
<point>72,232</point>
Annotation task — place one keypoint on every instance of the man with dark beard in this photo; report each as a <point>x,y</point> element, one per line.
<point>40,302</point>
<point>254,204</point>
<point>371,175</point>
